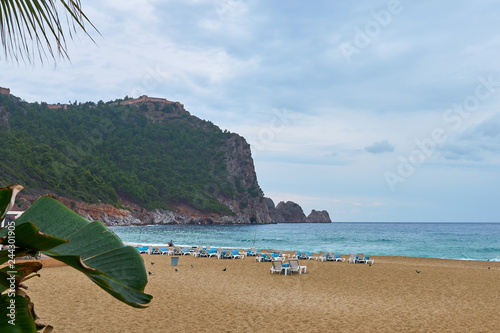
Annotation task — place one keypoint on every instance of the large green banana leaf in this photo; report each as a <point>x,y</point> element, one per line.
<point>91,248</point>
<point>15,316</point>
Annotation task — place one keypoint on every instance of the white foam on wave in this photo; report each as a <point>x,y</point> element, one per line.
<point>180,245</point>
<point>475,259</point>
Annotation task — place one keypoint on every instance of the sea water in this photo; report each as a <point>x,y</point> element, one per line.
<point>470,241</point>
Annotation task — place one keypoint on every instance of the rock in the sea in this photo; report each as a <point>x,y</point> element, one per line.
<point>289,212</point>
<point>317,216</point>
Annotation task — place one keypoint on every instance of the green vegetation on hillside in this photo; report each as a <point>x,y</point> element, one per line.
<point>100,152</point>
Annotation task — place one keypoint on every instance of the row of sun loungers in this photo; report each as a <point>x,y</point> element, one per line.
<point>259,256</point>
<point>196,252</point>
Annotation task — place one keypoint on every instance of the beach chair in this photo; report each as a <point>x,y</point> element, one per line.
<point>241,255</point>
<point>226,254</point>
<point>322,256</point>
<point>276,256</point>
<point>307,255</point>
<point>339,258</point>
<point>208,253</point>
<point>231,254</point>
<point>294,254</point>
<point>263,257</point>
<point>352,258</point>
<point>252,252</point>
<point>277,266</point>
<point>360,258</point>
<point>143,249</point>
<point>300,255</point>
<point>334,257</point>
<point>280,254</point>
<point>196,252</point>
<point>166,250</point>
<point>181,252</point>
<point>295,266</point>
<point>266,257</point>
<point>284,255</point>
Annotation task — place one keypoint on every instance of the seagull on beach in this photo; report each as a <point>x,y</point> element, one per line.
<point>418,272</point>
<point>152,263</point>
<point>224,269</point>
<point>176,269</point>
<point>149,272</point>
<point>192,265</point>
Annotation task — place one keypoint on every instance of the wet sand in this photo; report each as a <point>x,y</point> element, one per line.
<point>389,296</point>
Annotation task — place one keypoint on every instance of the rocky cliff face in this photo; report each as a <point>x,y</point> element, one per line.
<point>249,204</point>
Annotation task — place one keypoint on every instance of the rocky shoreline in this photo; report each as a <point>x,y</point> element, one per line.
<point>135,215</point>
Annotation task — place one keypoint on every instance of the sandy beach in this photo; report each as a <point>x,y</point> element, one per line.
<point>389,296</point>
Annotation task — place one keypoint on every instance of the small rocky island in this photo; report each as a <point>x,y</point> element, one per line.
<point>291,212</point>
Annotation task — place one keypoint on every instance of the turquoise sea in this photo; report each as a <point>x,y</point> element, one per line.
<point>468,241</point>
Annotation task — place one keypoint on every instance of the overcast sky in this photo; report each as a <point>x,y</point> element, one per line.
<point>371,110</point>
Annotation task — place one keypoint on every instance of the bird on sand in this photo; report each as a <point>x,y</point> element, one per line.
<point>224,269</point>
<point>176,269</point>
<point>152,263</point>
<point>149,272</point>
<point>418,272</point>
<point>192,266</point>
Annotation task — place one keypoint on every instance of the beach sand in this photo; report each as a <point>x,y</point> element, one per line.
<point>389,296</point>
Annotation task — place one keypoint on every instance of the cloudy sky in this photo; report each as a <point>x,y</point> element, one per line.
<point>373,110</point>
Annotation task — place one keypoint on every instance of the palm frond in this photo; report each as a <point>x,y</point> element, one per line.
<point>30,28</point>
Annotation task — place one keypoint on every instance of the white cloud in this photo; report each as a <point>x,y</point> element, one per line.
<point>380,147</point>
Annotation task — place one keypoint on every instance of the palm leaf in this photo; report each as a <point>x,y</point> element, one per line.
<point>24,23</point>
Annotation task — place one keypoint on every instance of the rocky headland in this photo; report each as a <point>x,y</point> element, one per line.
<point>231,184</point>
